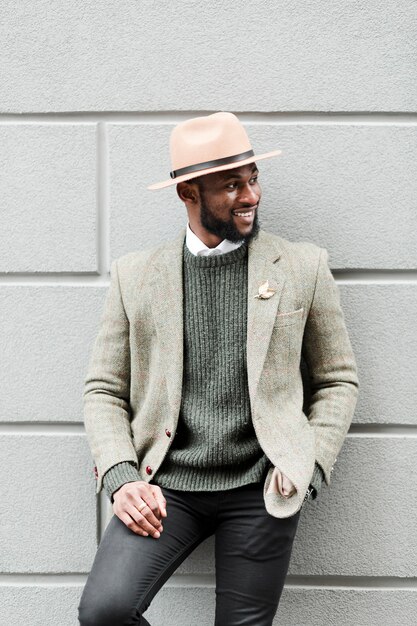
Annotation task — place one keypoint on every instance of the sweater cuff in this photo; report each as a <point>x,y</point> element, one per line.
<point>317,479</point>
<point>118,475</point>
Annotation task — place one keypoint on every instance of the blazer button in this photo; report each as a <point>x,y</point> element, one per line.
<point>95,471</point>
<point>168,432</point>
<point>148,469</point>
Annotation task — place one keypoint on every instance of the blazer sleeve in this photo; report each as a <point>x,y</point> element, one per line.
<point>107,386</point>
<point>332,368</point>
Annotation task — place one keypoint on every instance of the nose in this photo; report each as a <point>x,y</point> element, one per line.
<point>249,196</point>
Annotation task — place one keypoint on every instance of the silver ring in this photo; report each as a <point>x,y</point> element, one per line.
<point>142,507</point>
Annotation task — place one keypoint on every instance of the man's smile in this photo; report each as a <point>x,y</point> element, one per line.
<point>245,215</point>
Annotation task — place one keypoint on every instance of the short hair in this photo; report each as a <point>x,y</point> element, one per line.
<point>198,180</point>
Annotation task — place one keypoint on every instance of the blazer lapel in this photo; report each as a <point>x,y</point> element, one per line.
<point>167,309</point>
<point>262,266</point>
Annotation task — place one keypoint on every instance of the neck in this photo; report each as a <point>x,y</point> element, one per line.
<point>209,239</point>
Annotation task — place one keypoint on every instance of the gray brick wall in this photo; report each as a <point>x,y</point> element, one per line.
<point>90,92</point>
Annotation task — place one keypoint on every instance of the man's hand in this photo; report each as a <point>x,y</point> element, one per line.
<point>140,506</point>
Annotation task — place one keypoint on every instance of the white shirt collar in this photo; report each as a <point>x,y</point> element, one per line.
<point>197,247</point>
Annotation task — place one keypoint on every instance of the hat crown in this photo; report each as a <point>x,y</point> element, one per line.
<point>207,138</point>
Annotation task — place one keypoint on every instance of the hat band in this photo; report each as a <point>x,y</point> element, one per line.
<point>215,163</point>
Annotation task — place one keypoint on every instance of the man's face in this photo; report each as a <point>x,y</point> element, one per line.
<point>228,205</point>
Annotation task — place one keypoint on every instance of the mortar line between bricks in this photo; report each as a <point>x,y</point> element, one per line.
<point>102,201</point>
<point>81,279</point>
<point>248,117</point>
<point>314,582</point>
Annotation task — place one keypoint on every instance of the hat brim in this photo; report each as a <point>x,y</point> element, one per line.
<point>210,170</point>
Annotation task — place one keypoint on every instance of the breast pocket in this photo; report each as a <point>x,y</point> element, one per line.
<point>287,339</point>
<point>288,318</point>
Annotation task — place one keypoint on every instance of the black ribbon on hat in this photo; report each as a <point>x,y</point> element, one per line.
<point>202,166</point>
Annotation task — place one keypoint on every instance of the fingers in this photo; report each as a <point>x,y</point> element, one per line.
<point>131,524</point>
<point>150,511</point>
<point>159,496</point>
<point>137,504</point>
<point>141,521</point>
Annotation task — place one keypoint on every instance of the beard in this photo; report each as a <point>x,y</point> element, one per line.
<point>226,229</point>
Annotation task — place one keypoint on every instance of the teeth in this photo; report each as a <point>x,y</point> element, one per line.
<point>244,214</point>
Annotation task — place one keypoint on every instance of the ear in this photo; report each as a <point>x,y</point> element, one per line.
<point>188,192</point>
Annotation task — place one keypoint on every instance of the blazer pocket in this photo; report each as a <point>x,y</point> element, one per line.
<point>291,317</point>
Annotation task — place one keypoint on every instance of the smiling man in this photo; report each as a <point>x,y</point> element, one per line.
<point>193,401</point>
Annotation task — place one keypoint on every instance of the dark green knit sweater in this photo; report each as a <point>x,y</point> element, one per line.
<point>215,445</point>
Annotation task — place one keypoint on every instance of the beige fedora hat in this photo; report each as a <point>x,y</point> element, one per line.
<point>202,145</point>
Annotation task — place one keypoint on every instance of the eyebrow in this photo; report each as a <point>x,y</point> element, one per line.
<point>228,174</point>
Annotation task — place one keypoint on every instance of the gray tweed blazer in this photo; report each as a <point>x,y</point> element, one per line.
<point>133,384</point>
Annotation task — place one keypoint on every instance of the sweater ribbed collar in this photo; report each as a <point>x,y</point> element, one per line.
<point>215,260</point>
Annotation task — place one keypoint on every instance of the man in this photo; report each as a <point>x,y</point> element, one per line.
<point>194,397</point>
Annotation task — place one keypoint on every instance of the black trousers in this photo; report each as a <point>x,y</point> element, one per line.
<point>252,556</point>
